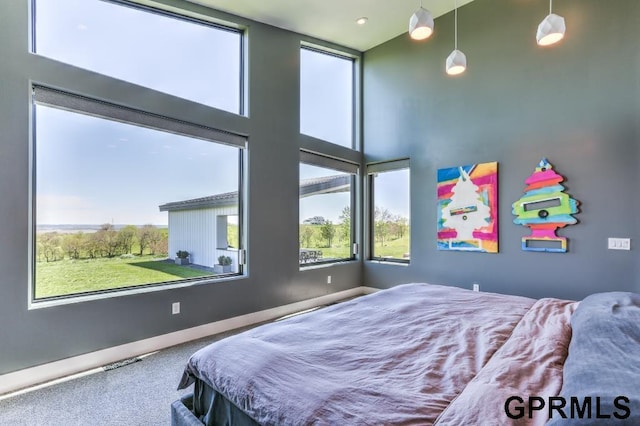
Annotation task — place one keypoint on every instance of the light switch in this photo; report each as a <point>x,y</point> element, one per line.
<point>619,244</point>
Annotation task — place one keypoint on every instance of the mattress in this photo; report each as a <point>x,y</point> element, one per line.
<point>400,356</point>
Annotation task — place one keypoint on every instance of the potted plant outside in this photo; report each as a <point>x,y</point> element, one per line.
<point>182,257</point>
<point>223,266</point>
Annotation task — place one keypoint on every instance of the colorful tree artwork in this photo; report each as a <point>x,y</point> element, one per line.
<point>544,208</point>
<point>468,208</point>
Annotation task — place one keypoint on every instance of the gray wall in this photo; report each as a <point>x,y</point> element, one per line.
<point>576,103</point>
<point>32,337</point>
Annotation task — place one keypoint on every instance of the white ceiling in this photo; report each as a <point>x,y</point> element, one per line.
<point>335,20</point>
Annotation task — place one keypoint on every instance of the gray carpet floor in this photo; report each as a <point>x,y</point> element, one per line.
<point>140,393</point>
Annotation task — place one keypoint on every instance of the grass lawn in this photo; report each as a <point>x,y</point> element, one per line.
<point>66,277</point>
<point>392,249</point>
<point>335,252</point>
<point>78,276</point>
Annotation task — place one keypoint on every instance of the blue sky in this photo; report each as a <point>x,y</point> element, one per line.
<point>91,171</point>
<point>196,62</point>
<point>392,193</point>
<point>329,206</point>
<point>326,93</point>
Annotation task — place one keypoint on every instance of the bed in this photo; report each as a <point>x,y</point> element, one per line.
<point>419,354</point>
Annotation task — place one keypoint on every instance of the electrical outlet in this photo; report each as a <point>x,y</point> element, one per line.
<point>476,287</point>
<point>175,308</point>
<point>328,279</point>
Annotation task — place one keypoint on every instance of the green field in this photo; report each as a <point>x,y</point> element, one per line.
<point>393,247</point>
<point>396,248</point>
<point>78,276</point>
<point>81,263</point>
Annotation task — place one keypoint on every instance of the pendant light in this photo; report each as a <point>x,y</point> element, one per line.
<point>457,61</point>
<point>421,24</point>
<point>551,29</point>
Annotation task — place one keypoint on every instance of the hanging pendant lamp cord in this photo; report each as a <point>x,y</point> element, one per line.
<point>550,6</point>
<point>455,3</point>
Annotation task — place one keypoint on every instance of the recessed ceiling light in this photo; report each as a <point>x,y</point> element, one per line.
<point>362,21</point>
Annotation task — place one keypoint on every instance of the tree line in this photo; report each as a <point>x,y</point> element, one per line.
<point>105,242</point>
<point>387,226</point>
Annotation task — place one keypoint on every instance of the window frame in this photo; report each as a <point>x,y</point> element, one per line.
<point>372,170</point>
<point>199,20</point>
<point>67,101</point>
<point>355,92</point>
<point>330,163</point>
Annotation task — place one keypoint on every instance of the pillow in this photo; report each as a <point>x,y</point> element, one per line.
<point>601,375</point>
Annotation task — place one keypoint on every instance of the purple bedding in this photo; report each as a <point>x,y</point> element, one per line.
<point>399,356</point>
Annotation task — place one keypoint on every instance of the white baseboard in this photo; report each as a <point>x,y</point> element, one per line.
<point>27,377</point>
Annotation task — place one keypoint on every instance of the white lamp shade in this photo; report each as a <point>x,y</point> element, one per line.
<point>456,63</point>
<point>551,30</point>
<point>421,24</point>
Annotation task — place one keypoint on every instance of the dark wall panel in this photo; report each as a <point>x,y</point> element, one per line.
<point>576,103</point>
<point>32,337</point>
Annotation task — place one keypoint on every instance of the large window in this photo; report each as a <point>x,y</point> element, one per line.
<point>327,96</point>
<point>326,209</point>
<point>179,56</point>
<point>390,226</point>
<point>124,198</point>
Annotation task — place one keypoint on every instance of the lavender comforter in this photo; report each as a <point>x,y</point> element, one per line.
<point>399,356</point>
